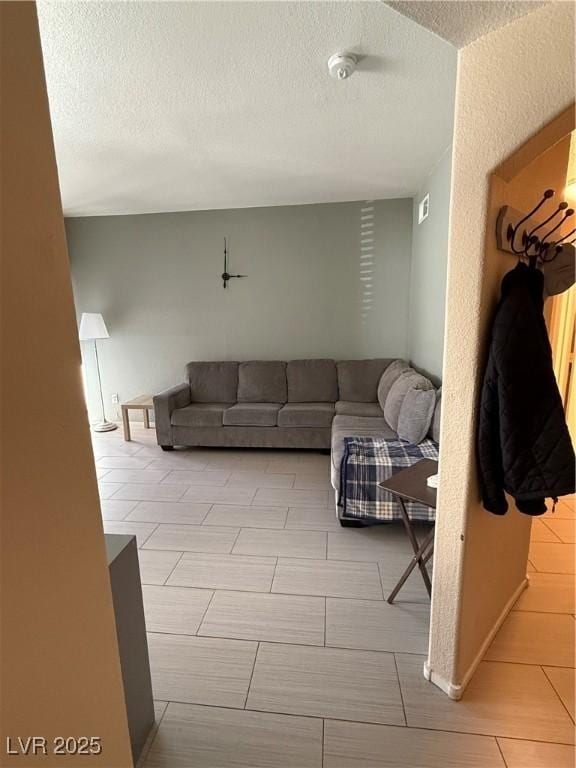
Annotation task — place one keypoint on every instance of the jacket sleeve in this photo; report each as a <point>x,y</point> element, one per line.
<point>490,468</point>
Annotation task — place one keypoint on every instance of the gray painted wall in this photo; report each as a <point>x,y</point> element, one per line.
<point>428,272</point>
<point>323,280</point>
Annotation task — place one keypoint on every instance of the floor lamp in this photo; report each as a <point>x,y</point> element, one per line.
<point>93,327</point>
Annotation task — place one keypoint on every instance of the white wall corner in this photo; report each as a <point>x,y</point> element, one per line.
<point>456,690</point>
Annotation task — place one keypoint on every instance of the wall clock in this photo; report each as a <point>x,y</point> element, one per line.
<point>226,276</point>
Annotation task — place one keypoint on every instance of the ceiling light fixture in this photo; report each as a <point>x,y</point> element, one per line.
<point>342,65</point>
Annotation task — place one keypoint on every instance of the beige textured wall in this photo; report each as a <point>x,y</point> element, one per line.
<point>510,84</point>
<point>60,673</point>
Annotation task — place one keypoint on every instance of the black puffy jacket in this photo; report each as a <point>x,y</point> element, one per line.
<point>524,446</point>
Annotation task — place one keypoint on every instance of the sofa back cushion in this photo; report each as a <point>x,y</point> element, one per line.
<point>262,381</point>
<point>312,381</point>
<point>396,369</point>
<point>358,379</point>
<point>213,382</point>
<point>398,391</point>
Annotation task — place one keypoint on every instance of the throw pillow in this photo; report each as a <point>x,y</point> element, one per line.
<point>434,431</point>
<point>393,372</point>
<point>398,391</point>
<point>416,415</point>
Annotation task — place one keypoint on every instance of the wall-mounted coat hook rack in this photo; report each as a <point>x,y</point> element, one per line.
<point>516,232</point>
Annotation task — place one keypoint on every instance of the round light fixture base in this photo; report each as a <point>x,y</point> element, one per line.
<point>342,65</point>
<point>104,426</point>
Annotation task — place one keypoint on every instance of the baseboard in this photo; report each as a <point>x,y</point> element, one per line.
<point>456,691</point>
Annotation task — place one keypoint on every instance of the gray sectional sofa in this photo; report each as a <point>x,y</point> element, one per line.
<point>295,404</point>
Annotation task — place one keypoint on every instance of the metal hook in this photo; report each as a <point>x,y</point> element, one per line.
<point>526,244</point>
<point>569,212</point>
<point>561,207</point>
<point>562,239</point>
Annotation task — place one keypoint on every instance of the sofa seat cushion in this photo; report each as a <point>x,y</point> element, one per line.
<point>358,379</point>
<point>213,382</point>
<point>262,381</point>
<point>199,415</point>
<point>354,426</point>
<point>347,408</point>
<point>306,415</point>
<point>252,415</point>
<point>312,381</point>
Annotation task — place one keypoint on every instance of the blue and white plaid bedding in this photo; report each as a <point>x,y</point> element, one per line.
<point>368,461</point>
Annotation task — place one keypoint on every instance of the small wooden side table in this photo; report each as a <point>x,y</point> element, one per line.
<point>410,485</point>
<point>142,403</point>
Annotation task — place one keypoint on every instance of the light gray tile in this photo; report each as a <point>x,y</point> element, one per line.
<point>232,572</point>
<point>561,530</point>
<point>535,638</point>
<point>193,538</point>
<point>285,466</point>
<point>247,517</point>
<point>106,490</point>
<point>101,473</point>
<point>135,475</point>
<point>312,519</point>
<point>377,626</point>
<point>123,462</point>
<point>159,710</point>
<point>542,533</point>
<point>327,577</point>
<point>548,593</point>
<point>224,495</point>
<point>253,541</point>
<point>319,480</point>
<point>238,462</point>
<point>553,558</point>
<point>200,670</point>
<point>209,737</point>
<point>149,449</point>
<point>186,513</point>
<point>115,510</point>
<point>178,460</point>
<point>211,478</point>
<point>290,498</point>
<point>359,745</point>
<point>115,449</point>
<point>150,492</point>
<point>156,566</point>
<point>368,544</point>
<point>563,682</point>
<point>535,754</point>
<point>413,589</point>
<point>277,618</point>
<point>177,610</point>
<point>141,530</point>
<point>513,700</point>
<point>253,479</point>
<point>326,682</point>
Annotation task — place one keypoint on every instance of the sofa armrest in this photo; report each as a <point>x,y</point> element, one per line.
<point>166,402</point>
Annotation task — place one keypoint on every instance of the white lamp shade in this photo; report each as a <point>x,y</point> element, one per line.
<point>92,326</point>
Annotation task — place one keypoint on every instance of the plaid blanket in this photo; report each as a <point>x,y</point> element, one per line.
<point>368,461</point>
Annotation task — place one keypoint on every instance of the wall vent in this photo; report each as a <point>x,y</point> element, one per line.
<point>423,208</point>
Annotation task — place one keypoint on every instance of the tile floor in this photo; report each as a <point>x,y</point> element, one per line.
<point>271,643</point>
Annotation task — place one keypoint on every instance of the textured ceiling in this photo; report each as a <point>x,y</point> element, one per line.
<point>181,106</point>
<point>463,21</point>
